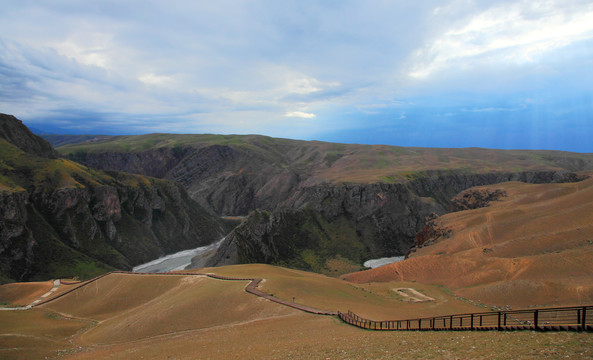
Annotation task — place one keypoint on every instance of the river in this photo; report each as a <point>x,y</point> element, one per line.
<point>375,263</point>
<point>174,262</point>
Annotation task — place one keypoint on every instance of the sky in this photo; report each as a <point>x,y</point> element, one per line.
<point>450,73</point>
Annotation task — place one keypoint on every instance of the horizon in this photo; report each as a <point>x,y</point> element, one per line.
<point>42,134</point>
<point>502,75</point>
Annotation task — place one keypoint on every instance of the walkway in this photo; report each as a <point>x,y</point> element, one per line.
<point>41,298</point>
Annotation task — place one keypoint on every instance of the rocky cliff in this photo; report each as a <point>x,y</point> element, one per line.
<point>356,222</point>
<point>234,175</point>
<point>59,218</point>
<point>15,132</point>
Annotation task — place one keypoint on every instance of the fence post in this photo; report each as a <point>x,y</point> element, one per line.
<point>433,322</point>
<point>471,325</point>
<point>480,320</point>
<point>584,319</point>
<point>419,324</point>
<point>451,322</point>
<point>536,319</point>
<point>499,321</point>
<point>505,319</point>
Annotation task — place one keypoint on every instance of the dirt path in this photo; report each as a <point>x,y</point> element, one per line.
<point>36,302</point>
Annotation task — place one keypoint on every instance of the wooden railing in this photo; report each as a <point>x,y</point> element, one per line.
<point>575,318</point>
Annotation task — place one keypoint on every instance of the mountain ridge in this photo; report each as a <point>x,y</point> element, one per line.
<point>60,218</point>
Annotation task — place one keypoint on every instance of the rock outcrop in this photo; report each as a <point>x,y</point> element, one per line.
<point>476,198</point>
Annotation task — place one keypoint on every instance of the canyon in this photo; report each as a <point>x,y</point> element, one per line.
<point>312,205</point>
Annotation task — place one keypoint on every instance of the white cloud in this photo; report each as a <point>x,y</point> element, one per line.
<point>86,48</point>
<point>300,114</point>
<point>507,33</point>
<point>152,79</point>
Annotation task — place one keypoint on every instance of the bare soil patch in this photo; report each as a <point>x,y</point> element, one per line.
<point>412,295</point>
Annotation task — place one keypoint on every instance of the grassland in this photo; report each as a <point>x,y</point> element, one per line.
<point>155,317</point>
<point>348,162</point>
<point>20,170</point>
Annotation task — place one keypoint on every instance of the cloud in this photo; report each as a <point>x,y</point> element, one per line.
<point>507,33</point>
<point>300,114</point>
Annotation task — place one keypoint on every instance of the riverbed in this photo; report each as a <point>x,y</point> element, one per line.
<point>175,262</point>
<point>375,263</point>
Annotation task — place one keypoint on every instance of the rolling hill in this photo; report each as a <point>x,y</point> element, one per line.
<point>136,316</point>
<point>532,247</point>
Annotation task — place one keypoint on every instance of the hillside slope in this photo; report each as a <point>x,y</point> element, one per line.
<point>59,218</point>
<point>133,316</point>
<point>533,246</point>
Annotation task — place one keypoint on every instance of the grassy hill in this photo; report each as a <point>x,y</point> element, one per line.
<point>345,162</point>
<point>152,316</point>
<point>532,247</point>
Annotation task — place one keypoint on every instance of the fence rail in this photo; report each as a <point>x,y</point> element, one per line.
<point>575,318</point>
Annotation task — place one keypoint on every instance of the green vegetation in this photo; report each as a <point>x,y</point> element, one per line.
<point>71,220</point>
<point>304,240</point>
<point>83,269</point>
<point>331,157</point>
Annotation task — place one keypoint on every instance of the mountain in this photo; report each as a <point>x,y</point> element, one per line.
<point>61,140</point>
<point>320,206</point>
<point>528,245</point>
<point>13,131</point>
<point>60,218</point>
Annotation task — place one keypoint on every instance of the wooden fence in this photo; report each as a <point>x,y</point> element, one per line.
<point>575,318</point>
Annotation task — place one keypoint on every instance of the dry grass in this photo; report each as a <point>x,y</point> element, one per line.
<point>37,334</point>
<point>377,301</point>
<point>22,294</point>
<point>124,316</point>
<point>303,336</point>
